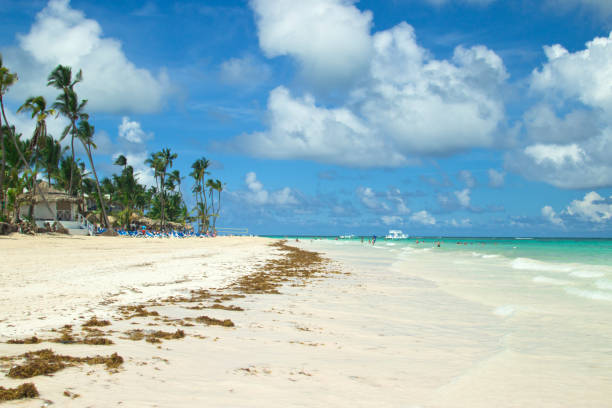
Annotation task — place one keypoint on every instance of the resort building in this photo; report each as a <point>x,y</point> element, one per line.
<point>65,206</point>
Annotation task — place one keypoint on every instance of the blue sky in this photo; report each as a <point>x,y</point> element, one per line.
<point>437,117</point>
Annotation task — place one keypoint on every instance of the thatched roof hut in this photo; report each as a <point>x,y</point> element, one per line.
<point>52,195</point>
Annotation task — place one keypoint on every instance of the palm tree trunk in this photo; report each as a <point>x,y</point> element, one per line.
<point>162,201</point>
<point>102,204</point>
<point>2,195</point>
<point>25,162</point>
<point>73,160</point>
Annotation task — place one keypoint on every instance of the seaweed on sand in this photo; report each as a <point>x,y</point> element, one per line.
<point>94,322</point>
<point>156,336</point>
<point>26,390</point>
<point>136,311</point>
<point>29,340</point>
<point>297,264</point>
<point>210,321</point>
<point>45,362</point>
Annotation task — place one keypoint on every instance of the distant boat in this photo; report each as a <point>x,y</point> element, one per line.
<point>348,236</point>
<point>396,234</point>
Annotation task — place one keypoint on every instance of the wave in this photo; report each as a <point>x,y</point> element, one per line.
<point>587,274</point>
<point>550,281</point>
<point>590,294</point>
<point>484,256</point>
<point>533,265</point>
<point>604,284</point>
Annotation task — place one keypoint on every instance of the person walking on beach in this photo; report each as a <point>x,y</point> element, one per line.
<point>373,239</point>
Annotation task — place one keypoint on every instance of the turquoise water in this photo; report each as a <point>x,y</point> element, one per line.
<point>557,250</point>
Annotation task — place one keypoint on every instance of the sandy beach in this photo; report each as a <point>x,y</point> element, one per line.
<point>361,331</point>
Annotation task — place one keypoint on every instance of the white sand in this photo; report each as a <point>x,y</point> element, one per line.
<point>378,337</point>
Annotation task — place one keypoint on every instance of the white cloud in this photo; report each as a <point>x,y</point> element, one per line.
<point>583,75</point>
<point>463,197</point>
<point>258,195</point>
<point>466,222</point>
<point>330,39</point>
<point>367,196</point>
<point>555,154</point>
<point>407,106</point>
<point>496,178</point>
<point>602,8</point>
<point>132,132</point>
<point>570,131</point>
<point>467,178</point>
<point>63,35</point>
<point>592,208</point>
<point>423,217</point>
<point>551,215</point>
<point>391,220</point>
<point>245,72</point>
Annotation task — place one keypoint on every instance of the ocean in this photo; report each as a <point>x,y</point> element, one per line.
<point>488,321</point>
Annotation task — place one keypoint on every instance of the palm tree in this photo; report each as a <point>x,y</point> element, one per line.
<point>38,107</point>
<point>7,79</point>
<point>159,162</point>
<point>67,103</point>
<point>85,135</point>
<point>199,172</point>
<point>52,153</point>
<point>219,187</point>
<point>121,161</point>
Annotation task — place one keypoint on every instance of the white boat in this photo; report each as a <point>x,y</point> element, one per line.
<point>348,236</point>
<point>396,234</point>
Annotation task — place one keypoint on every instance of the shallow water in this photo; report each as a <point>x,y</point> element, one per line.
<point>519,322</point>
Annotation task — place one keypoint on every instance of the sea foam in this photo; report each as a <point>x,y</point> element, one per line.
<point>604,284</point>
<point>550,281</point>
<point>533,265</point>
<point>587,274</point>
<point>590,294</point>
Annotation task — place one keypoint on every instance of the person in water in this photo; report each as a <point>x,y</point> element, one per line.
<point>373,239</point>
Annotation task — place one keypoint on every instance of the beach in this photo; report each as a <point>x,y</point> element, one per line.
<point>386,325</point>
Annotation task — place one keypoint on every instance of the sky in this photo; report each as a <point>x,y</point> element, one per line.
<point>436,117</point>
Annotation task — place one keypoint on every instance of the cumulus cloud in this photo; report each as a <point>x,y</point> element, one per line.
<point>592,207</point>
<point>369,198</point>
<point>330,39</point>
<point>423,217</point>
<point>258,195</point>
<point>550,215</point>
<point>496,178</point>
<point>570,132</point>
<point>63,35</point>
<point>132,132</point>
<point>408,105</point>
<point>463,197</point>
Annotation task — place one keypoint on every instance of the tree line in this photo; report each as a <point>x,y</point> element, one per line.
<point>25,162</point>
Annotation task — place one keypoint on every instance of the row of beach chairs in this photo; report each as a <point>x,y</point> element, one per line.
<point>170,234</point>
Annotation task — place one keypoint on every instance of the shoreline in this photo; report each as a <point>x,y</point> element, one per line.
<point>371,327</point>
